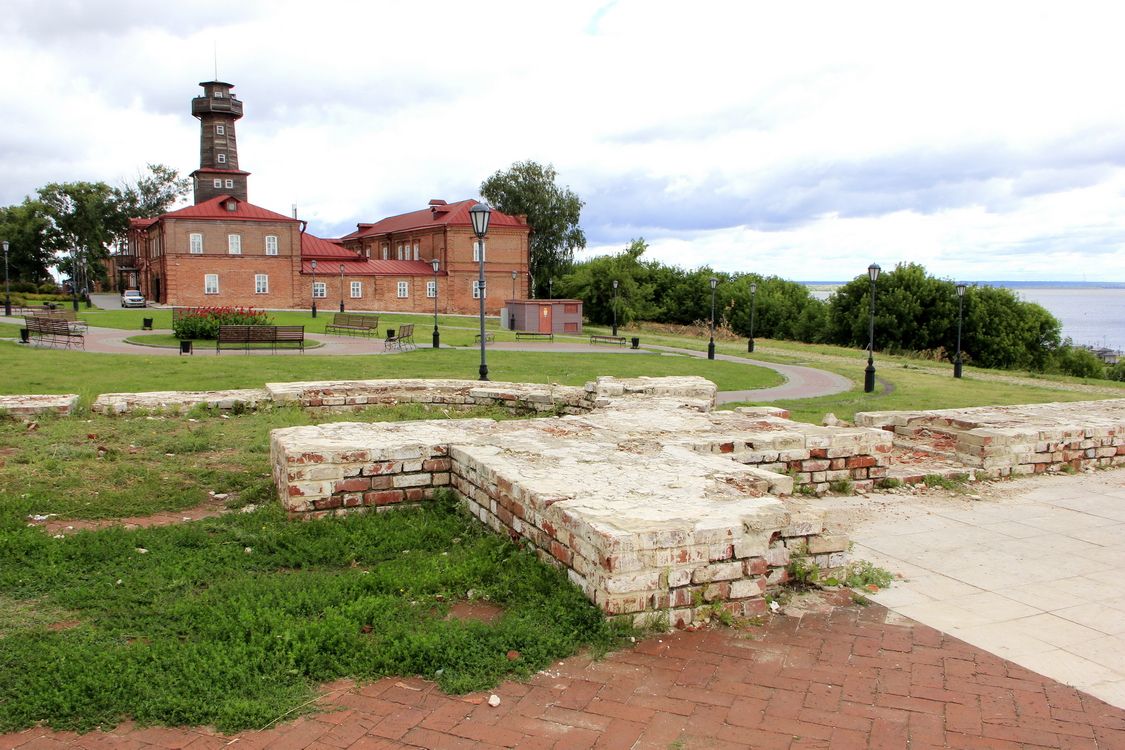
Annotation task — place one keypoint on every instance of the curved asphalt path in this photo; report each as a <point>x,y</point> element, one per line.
<point>800,381</point>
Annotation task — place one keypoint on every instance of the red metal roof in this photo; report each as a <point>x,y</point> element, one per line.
<point>452,214</point>
<point>316,247</point>
<point>215,209</point>
<point>142,223</point>
<point>366,267</point>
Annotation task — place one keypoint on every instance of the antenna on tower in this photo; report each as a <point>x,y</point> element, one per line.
<point>216,48</point>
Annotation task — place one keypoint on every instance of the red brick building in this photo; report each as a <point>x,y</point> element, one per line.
<point>225,250</point>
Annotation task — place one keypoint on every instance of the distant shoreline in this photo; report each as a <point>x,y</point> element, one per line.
<point>1006,284</point>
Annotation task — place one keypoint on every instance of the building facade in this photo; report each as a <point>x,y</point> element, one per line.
<point>224,250</point>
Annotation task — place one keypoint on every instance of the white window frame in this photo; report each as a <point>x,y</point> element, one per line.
<point>386,252</point>
<point>229,184</point>
<point>271,244</point>
<point>477,254</point>
<point>431,289</point>
<point>220,129</point>
<point>261,283</point>
<point>320,290</point>
<point>221,158</point>
<point>357,290</point>
<point>476,289</point>
<point>210,283</point>
<point>417,251</point>
<point>195,243</point>
<point>234,244</point>
<point>403,289</point>
<point>217,183</point>
<point>398,252</point>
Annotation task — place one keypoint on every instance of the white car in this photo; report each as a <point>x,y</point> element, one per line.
<point>133,298</point>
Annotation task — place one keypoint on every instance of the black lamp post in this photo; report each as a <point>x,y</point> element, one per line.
<point>960,317</point>
<point>514,275</point>
<point>313,264</point>
<point>341,287</point>
<point>550,287</point>
<point>7,296</point>
<point>480,214</point>
<point>615,307</point>
<point>753,301</point>
<point>74,280</point>
<point>437,336</point>
<point>869,373</point>
<point>711,343</point>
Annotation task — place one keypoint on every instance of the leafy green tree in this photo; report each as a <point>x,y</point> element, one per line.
<point>552,212</point>
<point>24,226</point>
<point>592,282</point>
<point>1001,330</point>
<point>84,218</point>
<point>152,194</point>
<point>1077,361</point>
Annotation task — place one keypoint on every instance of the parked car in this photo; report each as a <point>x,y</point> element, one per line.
<point>133,298</point>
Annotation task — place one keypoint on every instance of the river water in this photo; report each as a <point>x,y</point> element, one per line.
<point>1091,314</point>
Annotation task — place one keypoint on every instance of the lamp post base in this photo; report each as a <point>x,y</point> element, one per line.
<point>314,310</point>
<point>341,305</point>
<point>711,349</point>
<point>615,329</point>
<point>7,307</point>
<point>750,345</point>
<point>869,378</point>
<point>437,338</point>
<point>484,372</point>
<point>957,369</point>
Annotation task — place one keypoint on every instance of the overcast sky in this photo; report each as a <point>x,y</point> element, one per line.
<point>985,140</point>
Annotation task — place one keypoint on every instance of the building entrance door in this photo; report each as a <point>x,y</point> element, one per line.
<point>545,320</point>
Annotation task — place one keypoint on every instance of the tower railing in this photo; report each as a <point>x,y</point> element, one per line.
<point>205,104</point>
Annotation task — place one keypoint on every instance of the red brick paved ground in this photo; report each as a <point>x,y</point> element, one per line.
<point>850,677</point>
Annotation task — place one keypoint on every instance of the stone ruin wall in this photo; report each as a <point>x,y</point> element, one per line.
<point>1002,441</point>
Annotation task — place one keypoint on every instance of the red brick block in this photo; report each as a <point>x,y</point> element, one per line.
<point>328,503</point>
<point>385,497</point>
<point>356,484</point>
<point>861,462</point>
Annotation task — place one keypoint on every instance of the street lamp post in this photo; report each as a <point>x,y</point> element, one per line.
<point>437,336</point>
<point>711,343</point>
<point>514,275</point>
<point>74,280</point>
<point>7,295</point>
<point>869,373</point>
<point>615,307</point>
<point>753,301</point>
<point>960,317</point>
<point>341,287</point>
<point>550,287</point>
<point>313,264</point>
<point>480,214</point>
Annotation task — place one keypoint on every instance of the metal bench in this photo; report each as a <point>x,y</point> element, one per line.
<point>599,339</point>
<point>42,330</point>
<point>66,314</point>
<point>247,337</point>
<point>353,324</point>
<point>520,335</point>
<point>402,341</point>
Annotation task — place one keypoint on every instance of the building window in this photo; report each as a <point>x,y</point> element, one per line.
<point>417,252</point>
<point>211,283</point>
<point>357,289</point>
<point>477,287</point>
<point>220,130</point>
<point>399,252</point>
<point>261,283</point>
<point>230,183</point>
<point>403,289</point>
<point>320,290</point>
<point>570,309</point>
<point>218,94</point>
<point>217,183</point>
<point>431,289</point>
<point>271,244</point>
<point>195,243</point>
<point>477,255</point>
<point>221,158</point>
<point>386,252</point>
<point>234,244</point>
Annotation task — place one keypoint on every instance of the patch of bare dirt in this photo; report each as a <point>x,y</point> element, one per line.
<point>209,509</point>
<point>478,610</point>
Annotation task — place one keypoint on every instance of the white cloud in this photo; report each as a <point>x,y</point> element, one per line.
<point>805,139</point>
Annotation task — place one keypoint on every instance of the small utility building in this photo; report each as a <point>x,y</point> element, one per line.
<point>544,315</point>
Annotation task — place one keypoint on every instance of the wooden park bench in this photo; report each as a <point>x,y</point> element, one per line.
<point>402,340</point>
<point>63,313</point>
<point>46,331</point>
<point>520,335</point>
<point>353,324</point>
<point>250,337</point>
<point>600,339</point>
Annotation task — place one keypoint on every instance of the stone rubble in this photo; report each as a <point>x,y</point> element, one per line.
<point>29,407</point>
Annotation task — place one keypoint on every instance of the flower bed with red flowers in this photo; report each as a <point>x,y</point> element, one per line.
<point>204,322</point>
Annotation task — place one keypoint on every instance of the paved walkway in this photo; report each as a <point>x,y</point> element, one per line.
<point>846,677</point>
<point>1034,572</point>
